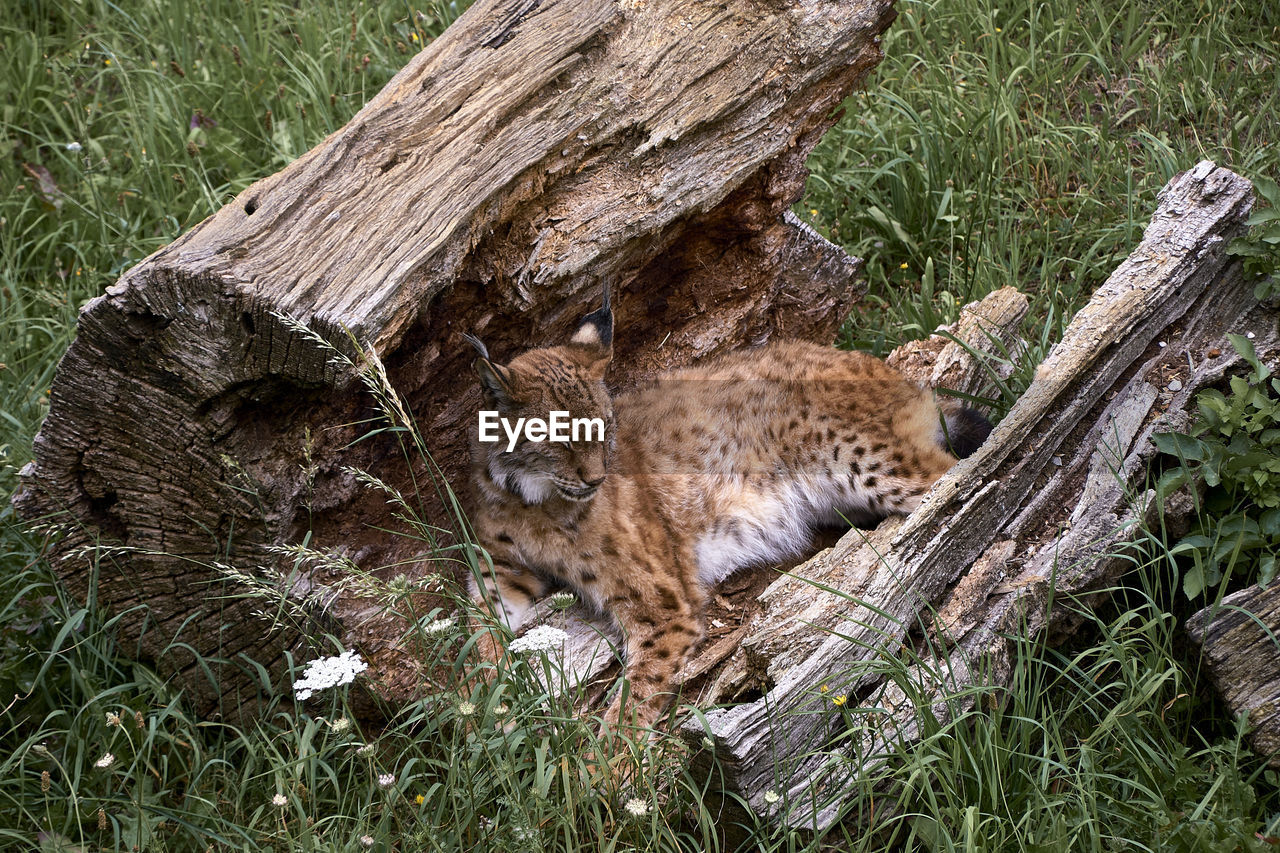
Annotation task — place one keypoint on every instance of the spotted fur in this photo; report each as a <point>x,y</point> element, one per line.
<point>703,471</point>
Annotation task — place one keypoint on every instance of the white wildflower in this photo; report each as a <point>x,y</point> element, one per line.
<point>543,638</point>
<point>365,751</point>
<point>105,761</point>
<point>323,673</point>
<point>74,147</point>
<point>466,709</point>
<point>562,600</point>
<point>113,719</point>
<point>771,796</point>
<point>636,807</point>
<point>501,710</point>
<point>279,801</point>
<point>366,840</point>
<point>438,628</point>
<point>340,725</point>
<point>386,780</point>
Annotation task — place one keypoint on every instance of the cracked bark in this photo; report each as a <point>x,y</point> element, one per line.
<point>1041,516</point>
<point>1012,542</point>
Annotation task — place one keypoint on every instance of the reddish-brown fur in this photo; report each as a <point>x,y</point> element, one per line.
<point>703,471</point>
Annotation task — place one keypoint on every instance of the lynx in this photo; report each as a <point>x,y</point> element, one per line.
<point>701,472</point>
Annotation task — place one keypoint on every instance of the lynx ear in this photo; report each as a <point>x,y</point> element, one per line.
<point>496,382</point>
<point>596,329</point>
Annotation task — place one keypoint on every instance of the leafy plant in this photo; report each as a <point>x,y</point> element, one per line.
<point>1235,451</point>
<point>1260,246</point>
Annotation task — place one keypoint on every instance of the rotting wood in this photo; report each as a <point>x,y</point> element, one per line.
<point>525,157</point>
<point>1240,640</point>
<point>1041,515</point>
<point>946,359</point>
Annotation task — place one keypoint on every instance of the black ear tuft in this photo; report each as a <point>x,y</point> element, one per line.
<point>597,327</point>
<point>495,382</point>
<point>478,344</point>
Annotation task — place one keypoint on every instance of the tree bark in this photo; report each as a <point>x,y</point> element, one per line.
<point>1240,641</point>
<point>1042,514</point>
<point>656,145</point>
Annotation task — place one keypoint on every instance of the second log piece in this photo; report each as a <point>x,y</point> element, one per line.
<point>1039,514</point>
<point>1240,640</point>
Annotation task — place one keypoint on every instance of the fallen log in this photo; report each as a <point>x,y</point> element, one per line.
<point>656,145</point>
<point>1040,514</point>
<point>1240,641</point>
<point>191,424</point>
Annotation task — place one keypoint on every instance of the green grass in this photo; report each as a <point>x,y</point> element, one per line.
<point>1013,144</point>
<point>1022,144</point>
<point>1107,743</point>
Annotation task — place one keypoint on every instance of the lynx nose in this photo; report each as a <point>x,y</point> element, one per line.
<point>589,482</point>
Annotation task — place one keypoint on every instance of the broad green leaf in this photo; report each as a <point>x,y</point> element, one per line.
<point>1179,445</point>
<point>1193,582</point>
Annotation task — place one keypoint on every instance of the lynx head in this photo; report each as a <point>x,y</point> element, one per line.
<point>554,423</point>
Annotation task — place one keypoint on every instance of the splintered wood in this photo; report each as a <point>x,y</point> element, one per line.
<point>1040,516</point>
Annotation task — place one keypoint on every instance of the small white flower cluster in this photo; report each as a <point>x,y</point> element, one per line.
<point>386,780</point>
<point>543,638</point>
<point>438,628</point>
<point>636,807</point>
<point>562,600</point>
<point>323,673</point>
<point>105,761</point>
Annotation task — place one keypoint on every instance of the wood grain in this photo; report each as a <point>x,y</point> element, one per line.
<point>1040,515</point>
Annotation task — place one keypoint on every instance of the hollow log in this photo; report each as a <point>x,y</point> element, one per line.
<point>532,153</point>
<point>1041,515</point>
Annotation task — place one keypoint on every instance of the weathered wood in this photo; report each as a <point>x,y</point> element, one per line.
<point>1040,513</point>
<point>1240,640</point>
<point>946,359</point>
<point>532,152</point>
